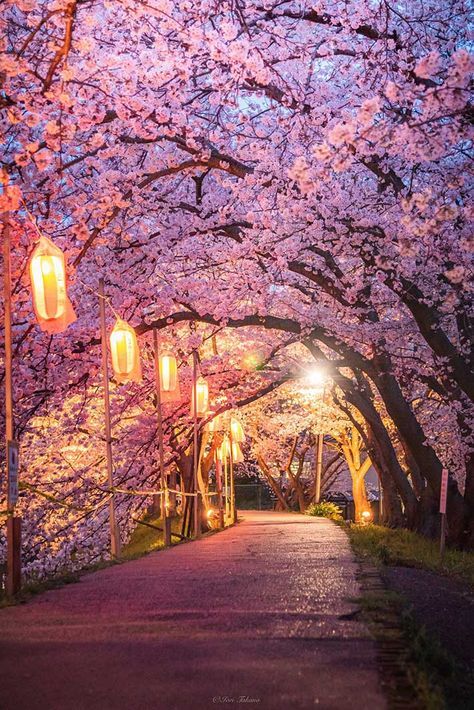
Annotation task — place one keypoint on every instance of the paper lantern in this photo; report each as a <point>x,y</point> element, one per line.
<point>202,392</point>
<point>169,382</point>
<point>237,455</point>
<point>53,308</point>
<point>169,372</point>
<point>215,424</point>
<point>237,431</point>
<point>125,353</point>
<point>223,451</point>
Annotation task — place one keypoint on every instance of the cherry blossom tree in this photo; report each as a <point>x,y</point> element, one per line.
<point>270,172</point>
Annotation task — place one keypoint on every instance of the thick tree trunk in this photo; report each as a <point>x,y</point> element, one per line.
<point>359,494</point>
<point>273,484</point>
<point>392,514</point>
<point>350,442</point>
<point>294,479</point>
<point>464,418</point>
<point>414,438</point>
<point>384,457</point>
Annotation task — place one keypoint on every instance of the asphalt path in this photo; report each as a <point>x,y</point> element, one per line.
<point>260,615</point>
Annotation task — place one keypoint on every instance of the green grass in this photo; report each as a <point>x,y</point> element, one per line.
<point>420,668</point>
<point>436,680</point>
<point>406,548</point>
<point>145,539</point>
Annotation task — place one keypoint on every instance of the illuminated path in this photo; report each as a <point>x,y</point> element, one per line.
<point>257,613</point>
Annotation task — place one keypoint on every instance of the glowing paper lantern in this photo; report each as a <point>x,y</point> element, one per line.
<point>53,308</point>
<point>215,424</point>
<point>169,372</point>
<point>223,451</point>
<point>169,382</point>
<point>237,455</point>
<point>125,353</point>
<point>237,431</point>
<point>202,392</point>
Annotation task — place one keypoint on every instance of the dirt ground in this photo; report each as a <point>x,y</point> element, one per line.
<point>445,607</point>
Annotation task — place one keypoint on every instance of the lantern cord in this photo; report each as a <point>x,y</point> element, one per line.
<point>160,492</point>
<point>96,293</point>
<point>40,234</point>
<point>32,218</point>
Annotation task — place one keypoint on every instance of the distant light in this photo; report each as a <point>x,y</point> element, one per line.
<point>253,361</point>
<point>210,513</point>
<point>366,515</point>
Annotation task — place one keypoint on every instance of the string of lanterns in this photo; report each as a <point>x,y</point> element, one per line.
<point>54,313</point>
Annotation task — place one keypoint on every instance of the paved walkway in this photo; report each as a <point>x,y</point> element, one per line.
<point>256,616</point>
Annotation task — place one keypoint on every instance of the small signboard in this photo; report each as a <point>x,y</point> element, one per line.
<point>443,492</point>
<point>13,464</point>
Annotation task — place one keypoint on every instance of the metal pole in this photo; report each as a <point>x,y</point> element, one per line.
<point>226,490</point>
<point>159,412</point>
<point>319,466</point>
<point>220,502</point>
<point>232,489</point>
<point>443,499</point>
<point>114,532</point>
<point>442,541</point>
<point>13,581</point>
<point>197,507</point>
<point>319,453</point>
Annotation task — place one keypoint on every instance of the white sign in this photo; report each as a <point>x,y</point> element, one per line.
<point>13,464</point>
<point>443,492</point>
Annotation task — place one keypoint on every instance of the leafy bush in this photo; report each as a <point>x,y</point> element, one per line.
<point>325,510</point>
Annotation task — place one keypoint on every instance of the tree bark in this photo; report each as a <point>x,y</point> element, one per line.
<point>273,484</point>
<point>424,455</point>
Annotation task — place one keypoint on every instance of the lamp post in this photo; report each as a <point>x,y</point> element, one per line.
<point>159,412</point>
<point>114,532</point>
<point>13,580</point>
<point>196,507</point>
<point>317,378</point>
<point>237,437</point>
<point>225,446</point>
<point>231,472</point>
<point>219,489</point>
<point>319,467</point>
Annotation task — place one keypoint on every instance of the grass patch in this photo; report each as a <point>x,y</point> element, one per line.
<point>415,665</point>
<point>407,548</point>
<point>416,670</point>
<point>407,659</point>
<point>147,539</point>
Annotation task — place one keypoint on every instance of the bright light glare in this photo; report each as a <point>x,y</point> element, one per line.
<point>316,378</point>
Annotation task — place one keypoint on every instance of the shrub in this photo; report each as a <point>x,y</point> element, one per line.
<point>325,510</point>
